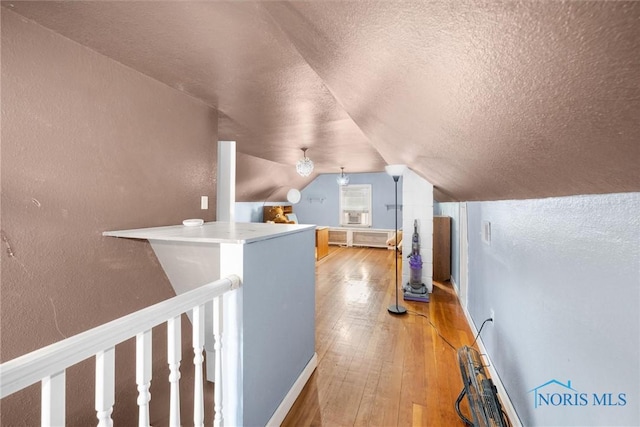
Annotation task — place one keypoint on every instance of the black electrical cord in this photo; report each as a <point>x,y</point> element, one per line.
<point>441,336</point>
<point>434,327</point>
<point>506,417</point>
<point>481,326</point>
<point>455,349</point>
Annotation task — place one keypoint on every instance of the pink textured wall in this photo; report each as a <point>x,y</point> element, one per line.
<point>89,145</point>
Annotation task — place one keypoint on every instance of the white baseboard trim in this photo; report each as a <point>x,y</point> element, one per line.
<point>279,415</point>
<point>455,288</point>
<point>502,392</point>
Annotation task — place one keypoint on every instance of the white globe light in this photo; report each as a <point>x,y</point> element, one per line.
<point>293,196</point>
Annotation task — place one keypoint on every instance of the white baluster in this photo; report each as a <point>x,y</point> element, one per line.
<point>198,358</point>
<point>174,356</point>
<point>143,376</point>
<point>53,395</point>
<point>105,386</point>
<point>217,334</point>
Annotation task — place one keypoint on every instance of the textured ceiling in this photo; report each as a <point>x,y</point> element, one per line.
<point>486,100</point>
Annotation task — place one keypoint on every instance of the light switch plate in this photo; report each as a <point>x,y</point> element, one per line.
<point>486,232</point>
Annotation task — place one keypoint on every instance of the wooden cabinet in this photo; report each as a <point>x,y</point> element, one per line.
<point>322,242</point>
<point>441,248</point>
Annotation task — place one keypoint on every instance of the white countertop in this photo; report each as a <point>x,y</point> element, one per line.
<point>212,232</point>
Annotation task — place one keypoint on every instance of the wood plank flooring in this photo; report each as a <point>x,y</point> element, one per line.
<point>374,368</point>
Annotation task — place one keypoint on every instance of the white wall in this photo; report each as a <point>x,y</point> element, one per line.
<point>417,203</point>
<point>562,276</point>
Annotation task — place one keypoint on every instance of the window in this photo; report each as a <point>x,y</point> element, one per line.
<point>355,205</point>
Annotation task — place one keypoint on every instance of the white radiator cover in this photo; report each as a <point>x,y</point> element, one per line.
<point>373,238</point>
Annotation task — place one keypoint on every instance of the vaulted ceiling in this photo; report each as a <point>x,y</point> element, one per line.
<point>486,100</point>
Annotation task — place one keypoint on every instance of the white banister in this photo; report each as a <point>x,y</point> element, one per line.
<point>105,386</point>
<point>53,399</point>
<point>31,368</point>
<point>217,335</point>
<point>174,356</point>
<point>198,319</point>
<point>143,376</point>
<point>48,364</point>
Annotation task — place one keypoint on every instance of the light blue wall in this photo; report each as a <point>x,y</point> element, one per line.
<point>563,278</point>
<point>278,311</point>
<point>248,211</point>
<point>311,211</point>
<point>452,210</point>
<point>253,211</point>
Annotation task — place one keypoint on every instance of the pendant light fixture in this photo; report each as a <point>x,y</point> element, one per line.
<point>304,167</point>
<point>342,179</point>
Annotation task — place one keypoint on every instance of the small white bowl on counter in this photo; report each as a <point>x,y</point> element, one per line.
<point>192,222</point>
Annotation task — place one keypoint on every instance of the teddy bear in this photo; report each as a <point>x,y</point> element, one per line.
<point>277,215</point>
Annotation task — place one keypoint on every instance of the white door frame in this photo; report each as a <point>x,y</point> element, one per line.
<point>464,255</point>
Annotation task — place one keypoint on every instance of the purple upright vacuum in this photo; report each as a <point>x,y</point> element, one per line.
<point>415,290</point>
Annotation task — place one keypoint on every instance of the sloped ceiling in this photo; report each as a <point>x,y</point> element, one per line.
<point>486,100</point>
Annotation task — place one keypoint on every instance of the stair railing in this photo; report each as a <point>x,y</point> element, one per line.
<point>48,364</point>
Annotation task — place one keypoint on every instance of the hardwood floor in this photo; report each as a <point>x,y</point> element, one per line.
<point>374,368</point>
